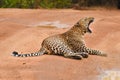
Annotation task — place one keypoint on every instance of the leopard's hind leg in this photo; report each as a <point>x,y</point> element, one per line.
<point>73,55</point>
<point>84,54</point>
<point>79,55</point>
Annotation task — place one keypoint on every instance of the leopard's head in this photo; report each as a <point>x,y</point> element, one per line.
<point>84,24</point>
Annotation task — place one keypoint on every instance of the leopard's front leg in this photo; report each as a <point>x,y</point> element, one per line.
<point>92,51</point>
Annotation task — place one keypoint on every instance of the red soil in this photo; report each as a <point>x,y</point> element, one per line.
<point>16,34</point>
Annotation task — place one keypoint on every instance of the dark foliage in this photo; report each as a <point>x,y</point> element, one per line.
<point>59,3</point>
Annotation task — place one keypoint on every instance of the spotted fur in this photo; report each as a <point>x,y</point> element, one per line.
<point>69,44</point>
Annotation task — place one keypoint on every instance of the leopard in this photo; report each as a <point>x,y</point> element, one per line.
<point>70,44</point>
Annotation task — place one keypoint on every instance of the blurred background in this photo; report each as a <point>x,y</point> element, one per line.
<point>76,4</point>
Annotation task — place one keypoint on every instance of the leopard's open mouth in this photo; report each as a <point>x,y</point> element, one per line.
<point>88,28</point>
<point>90,21</point>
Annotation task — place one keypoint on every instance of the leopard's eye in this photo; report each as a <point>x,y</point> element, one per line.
<point>84,31</point>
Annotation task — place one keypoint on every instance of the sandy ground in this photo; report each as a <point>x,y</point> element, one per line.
<point>18,31</point>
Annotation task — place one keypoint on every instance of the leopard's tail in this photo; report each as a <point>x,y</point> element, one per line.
<point>94,52</point>
<point>39,53</point>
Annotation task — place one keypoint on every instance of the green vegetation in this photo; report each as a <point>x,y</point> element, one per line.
<point>55,3</point>
<point>79,4</point>
<point>35,3</point>
<point>17,3</point>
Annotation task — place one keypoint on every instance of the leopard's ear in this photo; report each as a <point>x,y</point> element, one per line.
<point>77,24</point>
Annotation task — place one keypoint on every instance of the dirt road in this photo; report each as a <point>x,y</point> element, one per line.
<point>20,30</point>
